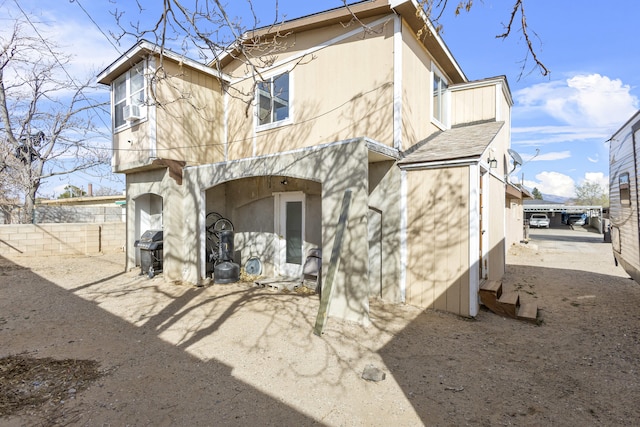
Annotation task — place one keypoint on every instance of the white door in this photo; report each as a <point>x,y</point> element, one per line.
<point>289,218</point>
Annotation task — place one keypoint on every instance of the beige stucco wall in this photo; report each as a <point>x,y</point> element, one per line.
<point>385,211</point>
<point>417,98</point>
<point>190,116</point>
<point>159,183</point>
<point>340,91</point>
<point>185,120</point>
<point>131,146</point>
<point>249,203</point>
<point>438,239</point>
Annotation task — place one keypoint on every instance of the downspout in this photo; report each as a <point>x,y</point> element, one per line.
<point>152,117</point>
<point>226,123</point>
<point>397,82</point>
<point>475,234</point>
<point>403,235</point>
<point>397,143</point>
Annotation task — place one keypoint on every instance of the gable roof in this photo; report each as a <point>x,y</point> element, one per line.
<point>460,143</point>
<point>143,49</point>
<point>409,10</point>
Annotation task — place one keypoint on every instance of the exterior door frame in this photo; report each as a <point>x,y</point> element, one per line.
<point>484,224</point>
<point>148,211</point>
<point>280,222</point>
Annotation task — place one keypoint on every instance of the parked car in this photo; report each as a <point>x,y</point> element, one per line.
<point>576,220</point>
<point>539,220</point>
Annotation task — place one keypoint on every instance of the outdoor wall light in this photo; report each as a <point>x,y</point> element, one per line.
<point>493,163</point>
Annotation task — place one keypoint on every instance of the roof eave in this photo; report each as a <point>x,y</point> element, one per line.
<point>430,164</point>
<point>141,50</point>
<point>410,10</point>
<point>413,14</point>
<point>339,15</point>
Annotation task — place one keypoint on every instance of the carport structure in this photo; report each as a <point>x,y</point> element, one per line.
<point>594,212</point>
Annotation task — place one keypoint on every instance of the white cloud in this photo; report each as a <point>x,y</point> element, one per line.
<point>587,101</point>
<point>66,33</point>
<point>599,178</point>
<point>553,183</point>
<point>559,184</point>
<point>543,135</point>
<point>554,155</point>
<point>587,106</point>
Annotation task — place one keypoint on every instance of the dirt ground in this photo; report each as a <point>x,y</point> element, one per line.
<point>235,354</point>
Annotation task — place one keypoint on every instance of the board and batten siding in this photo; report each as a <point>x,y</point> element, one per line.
<point>473,104</point>
<point>438,239</point>
<point>624,217</point>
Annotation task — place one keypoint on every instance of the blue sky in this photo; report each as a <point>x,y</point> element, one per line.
<point>593,88</point>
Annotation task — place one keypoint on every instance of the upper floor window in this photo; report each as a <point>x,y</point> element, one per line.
<point>439,98</point>
<point>129,96</point>
<point>273,99</point>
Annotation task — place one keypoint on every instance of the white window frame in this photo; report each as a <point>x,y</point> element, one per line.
<point>445,103</point>
<point>274,124</point>
<point>129,96</point>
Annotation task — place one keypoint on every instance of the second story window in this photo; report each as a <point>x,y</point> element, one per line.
<point>129,97</point>
<point>273,99</point>
<point>439,98</point>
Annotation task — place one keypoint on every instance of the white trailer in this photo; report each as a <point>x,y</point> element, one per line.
<point>624,158</point>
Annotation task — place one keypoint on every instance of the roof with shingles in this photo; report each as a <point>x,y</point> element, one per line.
<point>464,142</point>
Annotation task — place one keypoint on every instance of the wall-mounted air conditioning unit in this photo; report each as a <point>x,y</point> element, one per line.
<point>131,112</point>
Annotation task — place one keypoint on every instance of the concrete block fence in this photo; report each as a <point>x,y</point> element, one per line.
<point>35,240</point>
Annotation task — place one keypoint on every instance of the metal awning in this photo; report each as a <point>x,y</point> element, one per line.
<point>561,208</point>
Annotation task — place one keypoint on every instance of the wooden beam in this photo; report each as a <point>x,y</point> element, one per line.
<point>334,262</point>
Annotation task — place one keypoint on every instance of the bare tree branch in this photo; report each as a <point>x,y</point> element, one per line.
<point>519,7</point>
<point>435,9</point>
<point>46,129</point>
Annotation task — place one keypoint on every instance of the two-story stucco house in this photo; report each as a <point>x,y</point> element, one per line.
<point>378,120</point>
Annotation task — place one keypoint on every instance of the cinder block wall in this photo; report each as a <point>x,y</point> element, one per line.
<point>61,239</point>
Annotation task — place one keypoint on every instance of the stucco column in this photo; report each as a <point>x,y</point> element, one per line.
<point>346,168</point>
<point>190,202</point>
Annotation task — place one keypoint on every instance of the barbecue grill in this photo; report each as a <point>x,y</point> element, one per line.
<point>150,245</point>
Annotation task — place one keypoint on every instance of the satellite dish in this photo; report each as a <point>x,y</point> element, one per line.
<point>517,160</point>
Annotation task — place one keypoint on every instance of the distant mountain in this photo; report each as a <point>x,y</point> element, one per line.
<point>555,199</point>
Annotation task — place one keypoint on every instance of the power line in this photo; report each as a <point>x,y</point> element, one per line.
<point>55,57</point>
<point>96,24</point>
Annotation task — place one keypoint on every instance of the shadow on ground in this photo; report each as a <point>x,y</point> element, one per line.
<point>580,367</point>
<point>41,319</point>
